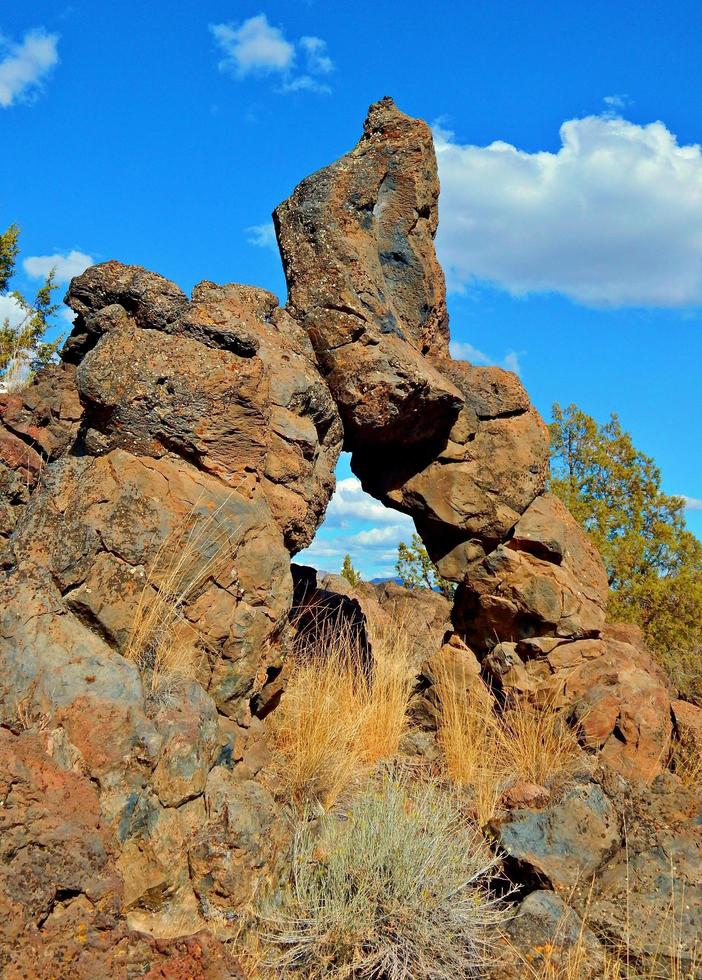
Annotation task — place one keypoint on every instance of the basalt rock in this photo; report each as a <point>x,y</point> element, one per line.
<point>37,426</point>
<point>179,456</point>
<point>357,245</point>
<point>209,412</point>
<point>466,491</point>
<point>546,579</point>
<point>545,935</point>
<point>183,451</point>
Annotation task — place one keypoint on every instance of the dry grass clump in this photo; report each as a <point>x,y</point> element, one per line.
<point>163,643</point>
<point>468,737</point>
<point>340,714</point>
<point>537,743</point>
<point>686,760</point>
<point>487,750</point>
<point>396,889</point>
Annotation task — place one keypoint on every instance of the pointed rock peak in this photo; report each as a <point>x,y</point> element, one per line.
<point>357,243</point>
<point>386,123</point>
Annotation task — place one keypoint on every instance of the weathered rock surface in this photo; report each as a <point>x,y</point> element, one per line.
<point>37,426</point>
<point>546,935</point>
<point>357,245</point>
<point>180,455</point>
<point>546,579</point>
<point>467,490</point>
<point>688,722</point>
<point>61,894</point>
<point>563,845</point>
<point>617,694</point>
<point>648,896</point>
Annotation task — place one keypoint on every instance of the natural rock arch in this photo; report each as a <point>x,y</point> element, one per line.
<point>167,408</point>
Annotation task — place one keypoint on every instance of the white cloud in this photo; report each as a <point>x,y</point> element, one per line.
<point>691,503</point>
<point>615,102</point>
<point>614,218</point>
<point>25,65</point>
<point>377,537</point>
<point>373,550</point>
<point>464,351</point>
<point>262,236</point>
<point>65,266</point>
<point>256,47</point>
<point>305,83</point>
<point>253,47</point>
<point>350,502</point>
<point>359,526</point>
<point>11,310</point>
<point>318,61</point>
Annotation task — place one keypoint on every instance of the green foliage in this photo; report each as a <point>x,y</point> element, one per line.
<point>349,572</point>
<point>395,889</point>
<point>416,570</point>
<point>23,349</point>
<point>654,564</point>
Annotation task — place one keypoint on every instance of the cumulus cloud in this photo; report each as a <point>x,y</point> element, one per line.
<point>464,351</point>
<point>612,219</point>
<point>11,311</point>
<point>359,526</point>
<point>691,503</point>
<point>65,266</point>
<point>262,236</point>
<point>25,65</point>
<point>350,502</point>
<point>257,47</point>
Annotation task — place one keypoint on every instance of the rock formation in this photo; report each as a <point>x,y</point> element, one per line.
<point>202,434</point>
<point>356,240</point>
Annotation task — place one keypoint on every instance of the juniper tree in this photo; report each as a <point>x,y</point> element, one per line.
<point>654,564</point>
<point>23,349</point>
<point>416,570</point>
<point>349,572</point>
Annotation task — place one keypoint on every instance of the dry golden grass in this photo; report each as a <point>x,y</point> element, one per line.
<point>163,643</point>
<point>386,690</point>
<point>339,715</point>
<point>468,737</point>
<point>487,750</point>
<point>536,743</point>
<point>686,760</point>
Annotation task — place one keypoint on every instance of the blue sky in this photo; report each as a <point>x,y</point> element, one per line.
<point>571,211</point>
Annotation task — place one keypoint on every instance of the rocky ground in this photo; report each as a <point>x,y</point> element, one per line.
<point>155,486</point>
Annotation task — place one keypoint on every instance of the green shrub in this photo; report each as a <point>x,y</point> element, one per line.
<point>395,889</point>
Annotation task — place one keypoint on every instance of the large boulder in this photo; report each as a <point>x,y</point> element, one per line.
<point>647,898</point>
<point>564,845</point>
<point>205,428</point>
<point>467,492</point>
<point>168,470</point>
<point>545,579</point>
<point>612,688</point>
<point>356,240</point>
